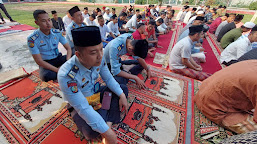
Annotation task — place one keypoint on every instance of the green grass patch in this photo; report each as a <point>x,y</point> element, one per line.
<point>23,12</point>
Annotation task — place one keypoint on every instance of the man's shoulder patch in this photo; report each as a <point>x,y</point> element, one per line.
<point>72,84</point>
<point>72,73</point>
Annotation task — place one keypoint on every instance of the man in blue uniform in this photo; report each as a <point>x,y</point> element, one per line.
<point>78,82</point>
<point>120,46</point>
<point>77,21</point>
<point>43,45</point>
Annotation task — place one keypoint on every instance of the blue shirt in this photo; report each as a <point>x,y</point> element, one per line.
<point>120,23</point>
<point>114,49</point>
<point>45,45</point>
<point>70,27</point>
<point>81,84</point>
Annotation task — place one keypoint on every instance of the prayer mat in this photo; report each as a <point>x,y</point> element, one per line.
<point>158,114</point>
<point>214,41</point>
<point>15,29</point>
<point>204,130</point>
<point>12,74</point>
<point>31,110</point>
<point>212,63</point>
<point>249,138</point>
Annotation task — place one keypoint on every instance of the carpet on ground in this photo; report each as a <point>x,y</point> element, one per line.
<point>16,28</point>
<point>212,63</point>
<point>32,111</point>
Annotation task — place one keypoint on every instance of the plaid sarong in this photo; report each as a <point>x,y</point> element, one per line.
<point>199,75</point>
<point>245,126</point>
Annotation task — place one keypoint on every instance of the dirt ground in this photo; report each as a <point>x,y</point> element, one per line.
<point>62,8</point>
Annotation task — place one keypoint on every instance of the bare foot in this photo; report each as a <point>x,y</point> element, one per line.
<point>158,46</point>
<point>150,54</point>
<point>152,49</point>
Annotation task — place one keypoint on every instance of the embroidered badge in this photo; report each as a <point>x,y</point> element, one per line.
<point>119,48</point>
<point>96,87</point>
<point>83,79</point>
<point>41,41</point>
<point>72,73</point>
<point>73,86</point>
<point>31,44</point>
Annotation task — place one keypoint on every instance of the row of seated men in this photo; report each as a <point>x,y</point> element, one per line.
<point>228,97</point>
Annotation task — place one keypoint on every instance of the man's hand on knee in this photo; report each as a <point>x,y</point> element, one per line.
<point>110,137</point>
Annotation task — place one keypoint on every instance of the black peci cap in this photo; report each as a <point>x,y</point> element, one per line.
<point>74,10</point>
<point>86,36</point>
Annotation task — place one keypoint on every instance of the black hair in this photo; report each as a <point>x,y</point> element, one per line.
<point>38,12</point>
<point>193,33</point>
<point>187,2</point>
<point>139,17</point>
<point>227,15</point>
<point>254,29</point>
<point>232,14</point>
<point>152,22</point>
<point>220,6</point>
<point>93,16</point>
<point>160,20</point>
<point>168,6</point>
<point>137,10</point>
<point>224,7</point>
<point>98,9</point>
<point>194,9</point>
<point>113,9</point>
<point>53,12</point>
<point>85,8</point>
<point>139,25</point>
<point>123,14</point>
<point>208,6</point>
<point>114,16</point>
<point>100,17</point>
<point>140,48</point>
<point>239,18</point>
<point>186,7</point>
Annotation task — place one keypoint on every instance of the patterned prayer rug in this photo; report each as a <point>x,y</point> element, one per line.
<point>32,111</point>
<point>204,130</point>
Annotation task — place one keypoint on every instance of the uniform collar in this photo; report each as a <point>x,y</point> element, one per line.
<point>43,35</point>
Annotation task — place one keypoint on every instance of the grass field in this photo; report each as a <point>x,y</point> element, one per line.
<point>23,12</point>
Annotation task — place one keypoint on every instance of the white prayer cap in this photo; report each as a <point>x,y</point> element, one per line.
<point>249,25</point>
<point>200,12</point>
<point>107,8</point>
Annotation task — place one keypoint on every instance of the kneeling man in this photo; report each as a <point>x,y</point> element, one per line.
<point>93,108</point>
<point>229,96</point>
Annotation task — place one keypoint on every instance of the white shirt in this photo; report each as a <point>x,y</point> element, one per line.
<point>235,50</point>
<point>131,23</point>
<point>220,27</point>
<point>182,49</point>
<point>192,19</point>
<point>1,1</point>
<point>85,16</point>
<point>158,9</point>
<point>104,31</point>
<point>107,17</point>
<point>66,20</point>
<point>113,28</point>
<point>179,15</point>
<point>89,22</point>
<point>188,15</point>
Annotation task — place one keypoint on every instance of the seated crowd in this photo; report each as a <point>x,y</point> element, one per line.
<point>96,41</point>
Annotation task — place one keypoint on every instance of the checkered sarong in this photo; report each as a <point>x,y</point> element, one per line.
<point>199,75</point>
<point>245,126</point>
